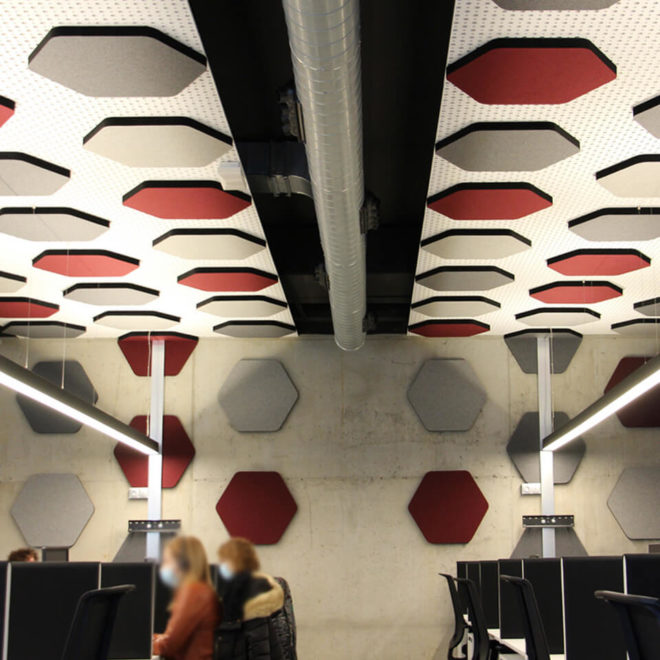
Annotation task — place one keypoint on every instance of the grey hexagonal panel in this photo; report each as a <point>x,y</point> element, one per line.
<point>567,544</point>
<point>446,395</point>
<point>258,396</point>
<point>523,450</point>
<point>634,502</point>
<point>52,510</point>
<point>563,346</point>
<point>647,114</point>
<point>41,418</point>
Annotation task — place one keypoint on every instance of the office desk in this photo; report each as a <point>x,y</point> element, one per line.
<point>518,646</point>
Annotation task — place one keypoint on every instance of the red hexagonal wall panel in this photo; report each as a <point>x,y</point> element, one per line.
<point>136,347</point>
<point>85,263</point>
<point>227,279</point>
<point>448,506</point>
<point>442,328</point>
<point>489,201</point>
<point>186,200</point>
<point>178,453</point>
<point>257,506</point>
<point>26,308</point>
<point>7,107</point>
<point>599,262</point>
<point>577,293</point>
<point>644,412</point>
<point>531,71</point>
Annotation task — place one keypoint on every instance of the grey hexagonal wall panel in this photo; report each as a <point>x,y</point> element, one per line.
<point>567,544</point>
<point>634,502</point>
<point>563,346</point>
<point>258,396</point>
<point>523,450</point>
<point>45,420</point>
<point>52,510</point>
<point>446,395</point>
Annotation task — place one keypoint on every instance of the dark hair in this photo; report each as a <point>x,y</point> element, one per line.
<point>23,554</point>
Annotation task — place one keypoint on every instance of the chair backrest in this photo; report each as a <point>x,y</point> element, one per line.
<point>459,621</point>
<point>468,590</point>
<point>640,620</point>
<point>535,638</point>
<point>93,622</point>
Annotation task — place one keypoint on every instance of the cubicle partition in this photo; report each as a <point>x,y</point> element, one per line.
<point>545,576</point>
<point>489,579</point>
<point>511,625</point>
<point>3,596</point>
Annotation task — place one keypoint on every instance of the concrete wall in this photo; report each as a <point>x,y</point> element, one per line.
<point>352,452</point>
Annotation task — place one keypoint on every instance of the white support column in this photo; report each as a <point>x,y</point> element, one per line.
<point>154,503</point>
<point>544,380</point>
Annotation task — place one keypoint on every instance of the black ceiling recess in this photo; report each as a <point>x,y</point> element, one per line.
<point>404,52</point>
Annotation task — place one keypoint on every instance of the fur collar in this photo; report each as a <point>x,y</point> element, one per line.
<point>266,603</point>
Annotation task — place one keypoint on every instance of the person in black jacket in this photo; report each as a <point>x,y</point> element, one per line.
<point>249,599</point>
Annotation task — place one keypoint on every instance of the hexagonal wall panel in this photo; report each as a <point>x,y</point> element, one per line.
<point>446,395</point>
<point>116,61</point>
<point>205,243</point>
<point>257,506</point>
<point>476,244</point>
<point>227,279</point>
<point>51,224</point>
<point>241,306</point>
<point>464,278</point>
<point>489,201</point>
<point>113,293</point>
<point>536,5</point>
<point>563,346</point>
<point>43,329</point>
<point>45,420</point>
<point>157,142</point>
<point>636,177</point>
<point>130,320</point>
<point>618,224</point>
<point>575,293</point>
<point>254,329</point>
<point>638,327</point>
<point>52,510</point>
<point>566,317</point>
<point>647,114</point>
<point>7,107</point>
<point>22,174</point>
<point>9,282</point>
<point>524,446</point>
<point>599,262</point>
<point>85,263</point>
<point>448,506</point>
<point>507,146</point>
<point>26,308</point>
<point>643,412</point>
<point>454,306</point>
<point>634,502</point>
<point>186,200</point>
<point>531,71</point>
<point>258,396</point>
<point>453,328</point>
<point>649,307</point>
<point>136,347</point>
<point>178,453</point>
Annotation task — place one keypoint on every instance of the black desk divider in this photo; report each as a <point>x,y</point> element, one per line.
<point>42,602</point>
<point>461,569</point>
<point>545,576</point>
<point>3,594</point>
<point>163,598</point>
<point>132,634</point>
<point>643,575</point>
<point>511,622</point>
<point>474,573</point>
<point>489,581</point>
<point>592,626</point>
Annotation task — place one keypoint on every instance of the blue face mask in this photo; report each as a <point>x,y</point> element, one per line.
<point>169,577</point>
<point>226,572</point>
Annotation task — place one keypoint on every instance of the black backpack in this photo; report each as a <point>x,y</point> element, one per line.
<point>284,623</point>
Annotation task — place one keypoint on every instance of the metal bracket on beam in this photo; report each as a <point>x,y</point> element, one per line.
<point>292,119</point>
<point>369,214</point>
<point>549,521</point>
<point>154,526</point>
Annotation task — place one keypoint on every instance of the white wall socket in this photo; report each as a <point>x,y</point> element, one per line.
<point>138,493</point>
<point>530,489</point>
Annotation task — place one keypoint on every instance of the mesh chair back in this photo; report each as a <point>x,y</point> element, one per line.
<point>470,594</point>
<point>459,621</point>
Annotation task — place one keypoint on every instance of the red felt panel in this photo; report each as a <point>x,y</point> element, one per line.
<point>224,279</point>
<point>178,453</point>
<point>7,108</point>
<point>576,293</point>
<point>257,506</point>
<point>81,263</point>
<point>644,412</point>
<point>448,506</point>
<point>594,262</point>
<point>26,308</point>
<point>136,347</point>
<point>449,328</point>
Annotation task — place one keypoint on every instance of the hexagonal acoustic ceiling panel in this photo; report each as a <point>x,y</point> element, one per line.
<point>633,502</point>
<point>536,5</point>
<point>599,262</point>
<point>27,308</point>
<point>554,317</point>
<point>618,224</point>
<point>456,306</point>
<point>643,412</point>
<point>137,349</point>
<point>465,278</point>
<point>10,283</point>
<point>227,279</point>
<point>97,104</point>
<point>257,506</point>
<point>638,327</point>
<point>476,244</point>
<point>254,329</point>
<point>241,306</point>
<point>638,176</point>
<point>448,506</point>
<point>575,293</point>
<point>647,114</point>
<point>445,328</point>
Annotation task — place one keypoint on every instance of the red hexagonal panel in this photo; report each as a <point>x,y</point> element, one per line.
<point>643,412</point>
<point>186,200</point>
<point>178,453</point>
<point>599,262</point>
<point>576,293</point>
<point>227,279</point>
<point>26,308</point>
<point>531,71</point>
<point>452,328</point>
<point>7,107</point>
<point>136,347</point>
<point>448,506</point>
<point>489,201</point>
<point>85,263</point>
<point>257,506</point>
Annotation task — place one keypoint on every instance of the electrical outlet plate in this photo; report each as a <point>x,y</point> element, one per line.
<point>530,489</point>
<point>138,493</point>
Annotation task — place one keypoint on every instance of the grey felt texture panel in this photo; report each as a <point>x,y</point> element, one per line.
<point>51,510</point>
<point>23,177</point>
<point>258,396</point>
<point>523,450</point>
<point>446,395</point>
<point>649,117</point>
<point>51,224</point>
<point>43,329</point>
<point>634,502</point>
<point>41,418</point>
<point>535,5</point>
<point>567,544</point>
<point>465,279</point>
<point>623,224</point>
<point>134,547</point>
<point>563,346</point>
<point>254,330</point>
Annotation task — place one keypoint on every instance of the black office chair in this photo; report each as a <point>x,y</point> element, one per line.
<point>483,647</point>
<point>640,620</point>
<point>457,641</point>
<point>535,637</point>
<point>93,623</point>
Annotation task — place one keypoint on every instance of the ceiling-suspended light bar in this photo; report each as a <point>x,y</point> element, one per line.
<point>24,382</point>
<point>637,383</point>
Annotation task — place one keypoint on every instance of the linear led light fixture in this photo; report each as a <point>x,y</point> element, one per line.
<point>38,389</point>
<point>637,383</point>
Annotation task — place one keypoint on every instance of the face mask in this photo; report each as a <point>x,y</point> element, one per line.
<point>226,572</point>
<point>168,577</point>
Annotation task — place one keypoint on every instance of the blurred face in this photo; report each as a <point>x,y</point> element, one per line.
<point>228,568</point>
<point>32,558</point>
<point>170,571</point>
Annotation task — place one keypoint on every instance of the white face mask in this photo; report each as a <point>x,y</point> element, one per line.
<point>226,572</point>
<point>168,577</point>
